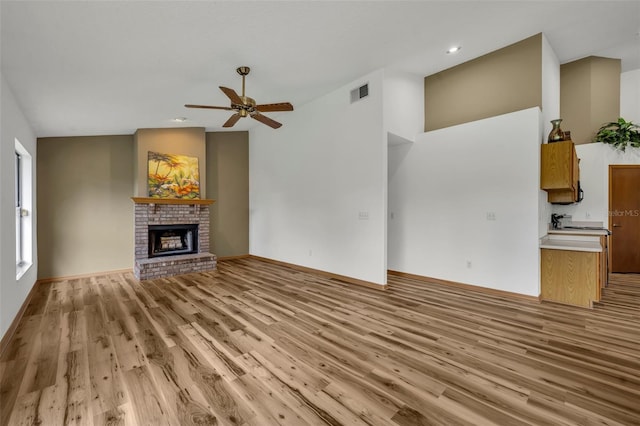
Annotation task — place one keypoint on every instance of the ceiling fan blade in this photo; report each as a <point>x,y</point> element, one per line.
<point>231,94</point>
<point>280,106</point>
<point>208,107</point>
<point>232,120</point>
<point>266,120</point>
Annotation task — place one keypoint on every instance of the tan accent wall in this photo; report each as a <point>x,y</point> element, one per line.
<point>85,213</point>
<point>228,184</point>
<point>589,96</point>
<point>183,141</point>
<point>503,81</point>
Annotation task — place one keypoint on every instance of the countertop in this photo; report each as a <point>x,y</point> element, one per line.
<point>578,244</point>
<point>575,239</point>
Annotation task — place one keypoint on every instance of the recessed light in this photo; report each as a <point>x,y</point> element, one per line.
<point>180,119</point>
<point>454,49</point>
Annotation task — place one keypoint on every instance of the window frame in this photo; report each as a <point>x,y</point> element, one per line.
<point>24,191</point>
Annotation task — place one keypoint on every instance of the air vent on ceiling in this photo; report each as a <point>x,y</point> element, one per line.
<point>359,93</point>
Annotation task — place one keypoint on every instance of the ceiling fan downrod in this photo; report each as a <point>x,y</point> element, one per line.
<point>243,71</point>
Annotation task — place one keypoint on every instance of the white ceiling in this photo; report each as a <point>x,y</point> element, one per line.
<point>111,67</point>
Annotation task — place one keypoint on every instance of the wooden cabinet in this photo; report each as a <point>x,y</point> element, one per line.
<point>571,277</point>
<point>560,172</point>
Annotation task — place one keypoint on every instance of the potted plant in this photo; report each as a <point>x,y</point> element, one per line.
<point>619,134</point>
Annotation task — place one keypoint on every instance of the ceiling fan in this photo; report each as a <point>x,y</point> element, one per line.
<point>246,106</point>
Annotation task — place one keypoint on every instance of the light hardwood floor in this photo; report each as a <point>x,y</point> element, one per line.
<point>261,344</point>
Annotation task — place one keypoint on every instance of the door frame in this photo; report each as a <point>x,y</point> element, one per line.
<point>610,224</point>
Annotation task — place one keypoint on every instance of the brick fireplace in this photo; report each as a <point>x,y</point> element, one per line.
<point>171,237</point>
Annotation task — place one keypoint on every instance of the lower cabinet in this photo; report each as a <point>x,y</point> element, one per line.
<point>571,277</point>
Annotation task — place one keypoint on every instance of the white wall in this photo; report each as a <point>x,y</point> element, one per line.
<point>550,111</point>
<point>595,159</point>
<point>403,105</point>
<point>550,85</point>
<point>441,190</point>
<point>630,95</point>
<point>311,179</point>
<point>13,124</point>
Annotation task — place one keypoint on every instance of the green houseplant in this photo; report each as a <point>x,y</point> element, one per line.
<point>620,134</point>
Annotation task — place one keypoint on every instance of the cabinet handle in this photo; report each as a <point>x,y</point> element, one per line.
<point>615,225</point>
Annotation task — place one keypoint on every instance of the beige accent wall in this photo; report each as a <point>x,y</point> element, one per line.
<point>228,184</point>
<point>85,212</point>
<point>183,141</point>
<point>503,81</point>
<point>589,96</point>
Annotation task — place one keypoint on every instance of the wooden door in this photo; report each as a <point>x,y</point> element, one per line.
<point>624,217</point>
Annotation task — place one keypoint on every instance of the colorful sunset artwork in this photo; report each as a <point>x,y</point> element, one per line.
<point>173,176</point>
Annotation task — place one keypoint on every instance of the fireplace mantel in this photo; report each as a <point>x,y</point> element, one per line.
<point>148,200</point>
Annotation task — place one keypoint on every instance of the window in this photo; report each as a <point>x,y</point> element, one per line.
<point>23,204</point>
<point>18,212</point>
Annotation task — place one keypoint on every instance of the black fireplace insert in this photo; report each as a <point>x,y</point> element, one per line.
<point>170,240</point>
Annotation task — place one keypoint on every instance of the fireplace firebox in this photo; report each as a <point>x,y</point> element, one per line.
<point>170,240</point>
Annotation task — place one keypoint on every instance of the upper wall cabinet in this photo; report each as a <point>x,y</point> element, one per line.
<point>560,172</point>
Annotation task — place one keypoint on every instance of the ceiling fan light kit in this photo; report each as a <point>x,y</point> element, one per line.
<point>246,106</point>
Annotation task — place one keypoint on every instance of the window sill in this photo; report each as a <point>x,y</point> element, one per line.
<point>22,269</point>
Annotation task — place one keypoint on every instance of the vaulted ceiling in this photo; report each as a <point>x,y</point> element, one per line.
<point>111,67</point>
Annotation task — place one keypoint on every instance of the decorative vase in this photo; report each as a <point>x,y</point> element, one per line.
<point>556,134</point>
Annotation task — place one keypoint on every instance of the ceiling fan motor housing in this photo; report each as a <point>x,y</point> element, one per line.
<point>243,70</point>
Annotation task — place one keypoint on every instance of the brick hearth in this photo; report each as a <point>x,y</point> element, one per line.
<point>154,211</point>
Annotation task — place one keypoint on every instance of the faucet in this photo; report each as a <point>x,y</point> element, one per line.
<point>555,220</point>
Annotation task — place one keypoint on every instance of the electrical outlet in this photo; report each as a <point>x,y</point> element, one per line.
<point>468,264</point>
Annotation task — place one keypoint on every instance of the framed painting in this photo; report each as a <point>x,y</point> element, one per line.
<point>173,176</point>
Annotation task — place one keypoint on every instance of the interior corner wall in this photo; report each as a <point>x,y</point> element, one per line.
<point>318,185</point>
<point>188,141</point>
<point>463,203</point>
<point>605,91</point>
<point>589,96</point>
<point>85,209</point>
<point>228,184</point>
<point>13,125</point>
<point>503,81</point>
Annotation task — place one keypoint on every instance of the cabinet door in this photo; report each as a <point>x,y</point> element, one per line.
<point>557,166</point>
<point>564,196</point>
<point>570,277</point>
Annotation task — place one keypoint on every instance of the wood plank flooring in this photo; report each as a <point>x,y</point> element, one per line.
<point>261,344</point>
